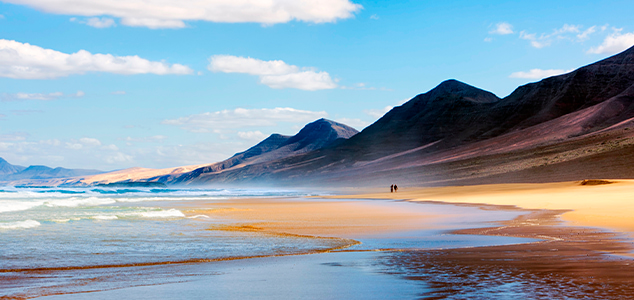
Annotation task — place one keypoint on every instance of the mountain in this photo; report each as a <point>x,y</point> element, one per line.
<point>313,136</point>
<point>7,168</point>
<point>457,133</point>
<point>569,127</point>
<point>10,172</point>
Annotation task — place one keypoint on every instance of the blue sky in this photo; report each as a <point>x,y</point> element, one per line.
<point>115,84</point>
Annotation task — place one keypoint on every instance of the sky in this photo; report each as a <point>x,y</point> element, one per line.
<point>114,84</point>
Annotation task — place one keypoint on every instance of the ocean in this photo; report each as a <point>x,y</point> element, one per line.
<point>70,240</point>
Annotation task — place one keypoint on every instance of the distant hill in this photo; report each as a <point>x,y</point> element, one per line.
<point>7,169</point>
<point>9,172</point>
<point>313,136</point>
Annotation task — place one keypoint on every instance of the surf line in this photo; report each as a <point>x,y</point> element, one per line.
<point>349,243</point>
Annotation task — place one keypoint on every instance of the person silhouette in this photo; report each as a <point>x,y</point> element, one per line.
<point>391,188</point>
<point>395,188</point>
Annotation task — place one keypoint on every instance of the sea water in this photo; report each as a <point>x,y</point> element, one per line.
<point>70,240</point>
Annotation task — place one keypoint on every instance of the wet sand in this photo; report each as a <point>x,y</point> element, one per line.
<point>581,257</point>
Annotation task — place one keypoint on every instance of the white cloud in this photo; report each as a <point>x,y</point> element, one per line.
<point>614,43</point>
<point>91,142</point>
<point>39,96</point>
<point>51,142</point>
<point>111,147</point>
<point>567,28</point>
<point>251,135</point>
<point>244,118</point>
<point>538,73</point>
<point>96,22</point>
<point>274,73</point>
<point>377,113</point>
<point>173,13</point>
<point>374,17</point>
<point>14,136</point>
<point>152,23</point>
<point>586,33</point>
<point>566,32</point>
<point>149,139</point>
<point>74,146</point>
<point>536,42</point>
<point>26,61</point>
<point>502,29</point>
<point>119,158</point>
<point>118,93</point>
<point>488,39</point>
<point>100,22</point>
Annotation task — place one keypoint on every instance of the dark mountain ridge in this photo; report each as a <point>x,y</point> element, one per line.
<point>457,122</point>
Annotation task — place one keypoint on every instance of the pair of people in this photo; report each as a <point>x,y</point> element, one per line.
<point>393,188</point>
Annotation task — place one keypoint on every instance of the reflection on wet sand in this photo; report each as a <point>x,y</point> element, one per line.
<point>569,263</point>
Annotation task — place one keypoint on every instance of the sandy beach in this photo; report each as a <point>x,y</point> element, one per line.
<point>540,241</point>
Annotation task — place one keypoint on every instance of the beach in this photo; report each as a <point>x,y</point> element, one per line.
<point>498,241</point>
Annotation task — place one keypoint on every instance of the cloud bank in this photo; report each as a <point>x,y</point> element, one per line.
<point>173,13</point>
<point>274,73</point>
<point>538,73</point>
<point>26,61</point>
<point>39,96</point>
<point>614,43</point>
<point>244,118</point>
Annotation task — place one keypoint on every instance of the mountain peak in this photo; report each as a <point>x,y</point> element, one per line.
<point>320,133</point>
<point>454,89</point>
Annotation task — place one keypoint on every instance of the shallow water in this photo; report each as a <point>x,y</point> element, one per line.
<point>60,241</point>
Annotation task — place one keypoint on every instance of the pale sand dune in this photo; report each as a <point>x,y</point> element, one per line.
<point>607,206</point>
<point>136,174</point>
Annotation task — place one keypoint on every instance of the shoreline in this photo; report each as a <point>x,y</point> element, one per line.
<point>367,220</point>
<point>566,260</point>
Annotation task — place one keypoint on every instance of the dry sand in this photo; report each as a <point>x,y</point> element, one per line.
<point>604,205</point>
<point>341,219</point>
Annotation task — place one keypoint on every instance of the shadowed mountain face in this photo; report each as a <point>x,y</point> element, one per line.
<point>449,133</point>
<point>451,112</point>
<point>313,136</point>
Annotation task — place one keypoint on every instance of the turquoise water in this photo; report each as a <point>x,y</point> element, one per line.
<point>61,228</point>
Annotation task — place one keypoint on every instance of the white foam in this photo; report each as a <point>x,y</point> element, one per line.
<point>20,224</point>
<point>6,206</point>
<point>198,216</point>
<point>74,202</point>
<point>61,220</point>
<point>172,213</point>
<point>104,217</point>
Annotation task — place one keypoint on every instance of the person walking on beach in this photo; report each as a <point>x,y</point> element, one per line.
<point>395,188</point>
<point>391,188</point>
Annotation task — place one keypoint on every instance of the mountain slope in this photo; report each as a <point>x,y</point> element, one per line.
<point>313,136</point>
<point>446,132</point>
<point>7,169</point>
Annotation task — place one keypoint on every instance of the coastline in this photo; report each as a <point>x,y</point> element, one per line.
<point>561,259</point>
